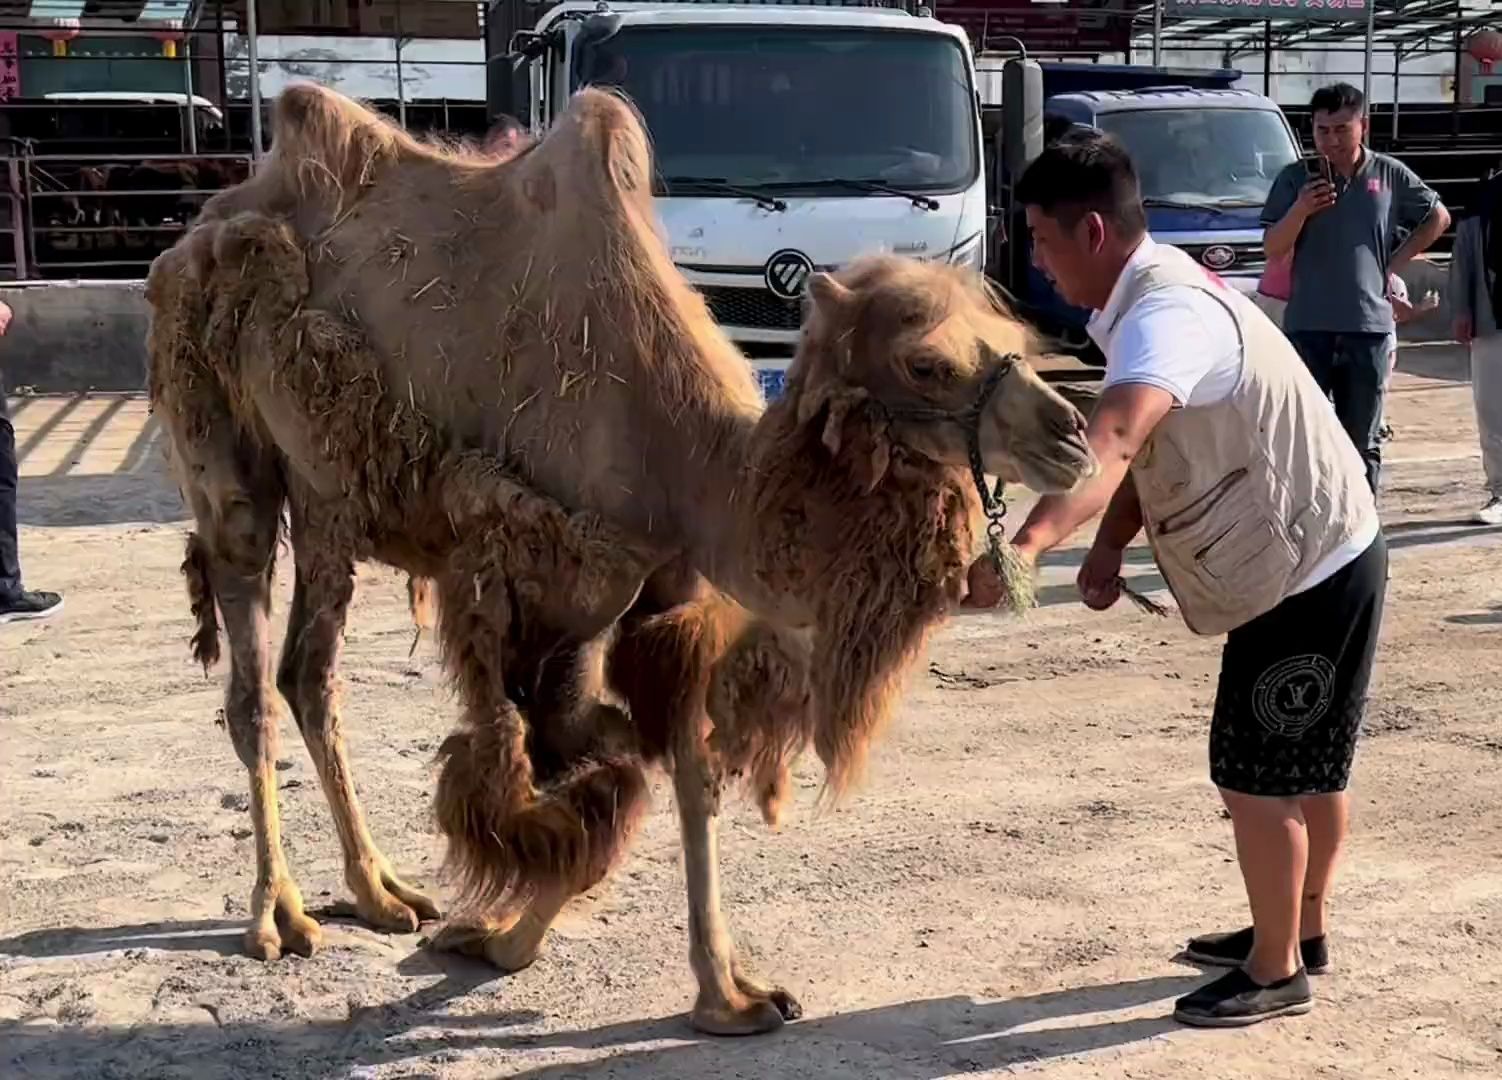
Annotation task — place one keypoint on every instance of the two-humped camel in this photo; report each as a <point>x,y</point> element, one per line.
<point>491,375</point>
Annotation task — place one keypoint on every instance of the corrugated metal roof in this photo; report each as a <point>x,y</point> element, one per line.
<point>102,12</point>
<point>1412,24</point>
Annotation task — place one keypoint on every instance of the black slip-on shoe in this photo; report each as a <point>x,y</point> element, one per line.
<point>1237,1000</point>
<point>1232,950</point>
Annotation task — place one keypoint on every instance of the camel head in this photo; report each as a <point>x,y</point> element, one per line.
<point>940,354</point>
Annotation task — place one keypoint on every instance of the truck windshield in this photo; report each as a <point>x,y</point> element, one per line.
<point>1212,156</point>
<point>750,105</point>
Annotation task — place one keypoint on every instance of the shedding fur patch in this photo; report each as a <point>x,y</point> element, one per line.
<point>880,556</point>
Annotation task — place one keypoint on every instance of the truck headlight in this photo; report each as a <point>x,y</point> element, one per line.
<point>970,253</point>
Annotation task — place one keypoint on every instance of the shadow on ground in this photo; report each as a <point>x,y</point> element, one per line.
<point>921,1040</point>
<point>1435,360</point>
<point>148,497</point>
<point>222,936</point>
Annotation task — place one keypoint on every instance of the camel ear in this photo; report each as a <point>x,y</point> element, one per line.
<point>829,296</point>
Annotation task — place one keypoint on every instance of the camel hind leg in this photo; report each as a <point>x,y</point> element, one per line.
<point>236,495</point>
<point>278,920</point>
<point>325,584</point>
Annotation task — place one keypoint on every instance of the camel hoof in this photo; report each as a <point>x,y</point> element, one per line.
<point>419,906</point>
<point>786,1004</point>
<point>263,944</point>
<point>292,932</point>
<point>384,912</point>
<point>496,947</point>
<point>385,902</point>
<point>757,1018</point>
<point>301,935</point>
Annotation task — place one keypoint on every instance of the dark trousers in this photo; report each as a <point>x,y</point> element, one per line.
<point>10,560</point>
<point>1352,370</point>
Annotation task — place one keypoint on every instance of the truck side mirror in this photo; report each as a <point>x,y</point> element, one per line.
<point>1022,115</point>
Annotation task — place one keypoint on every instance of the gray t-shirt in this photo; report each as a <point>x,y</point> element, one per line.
<point>1340,260</point>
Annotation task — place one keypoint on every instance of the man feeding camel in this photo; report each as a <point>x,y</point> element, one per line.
<point>1212,433</point>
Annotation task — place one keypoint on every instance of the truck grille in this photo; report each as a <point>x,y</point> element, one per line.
<point>752,307</point>
<point>1249,256</point>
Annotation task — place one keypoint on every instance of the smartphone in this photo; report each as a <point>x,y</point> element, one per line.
<point>1318,168</point>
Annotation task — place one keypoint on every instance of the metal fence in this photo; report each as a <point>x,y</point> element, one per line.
<point>103,215</point>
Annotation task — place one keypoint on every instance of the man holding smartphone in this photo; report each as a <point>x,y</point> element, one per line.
<point>1336,215</point>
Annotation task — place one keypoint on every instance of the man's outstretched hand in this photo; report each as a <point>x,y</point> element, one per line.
<point>1099,578</point>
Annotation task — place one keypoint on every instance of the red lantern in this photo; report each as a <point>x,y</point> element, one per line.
<point>1485,47</point>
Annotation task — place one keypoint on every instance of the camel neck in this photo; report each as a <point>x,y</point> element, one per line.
<point>710,504</point>
<point>704,471</point>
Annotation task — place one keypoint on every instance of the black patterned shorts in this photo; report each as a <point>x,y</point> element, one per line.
<point>1293,686</point>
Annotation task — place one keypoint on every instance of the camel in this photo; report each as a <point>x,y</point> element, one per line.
<point>489,374</point>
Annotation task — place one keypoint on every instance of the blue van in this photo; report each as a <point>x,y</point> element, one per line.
<point>1207,159</point>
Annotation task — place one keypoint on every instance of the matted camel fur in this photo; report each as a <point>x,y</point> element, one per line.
<point>489,374</point>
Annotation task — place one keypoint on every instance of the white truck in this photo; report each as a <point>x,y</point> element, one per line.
<point>788,136</point>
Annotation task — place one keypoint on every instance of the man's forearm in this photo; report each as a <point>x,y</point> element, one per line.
<point>1421,239</point>
<point>1123,519</point>
<point>1278,240</point>
<point>1056,517</point>
<point>1119,424</point>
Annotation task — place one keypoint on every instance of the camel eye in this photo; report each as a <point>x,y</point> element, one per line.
<point>923,369</point>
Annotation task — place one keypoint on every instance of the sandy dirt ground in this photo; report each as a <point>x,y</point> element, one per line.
<point>1007,894</point>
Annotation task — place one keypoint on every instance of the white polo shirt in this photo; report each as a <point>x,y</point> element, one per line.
<point>1182,341</point>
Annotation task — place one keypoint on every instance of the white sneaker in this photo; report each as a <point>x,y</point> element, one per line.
<point>1491,513</point>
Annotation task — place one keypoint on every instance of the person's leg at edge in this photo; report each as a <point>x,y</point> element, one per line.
<point>1317,350</point>
<point>16,602</point>
<point>1486,390</point>
<point>10,563</point>
<point>1359,392</point>
<point>1384,429</point>
<point>1272,849</point>
<point>1327,819</point>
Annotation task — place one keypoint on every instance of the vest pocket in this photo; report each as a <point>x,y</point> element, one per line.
<point>1228,540</point>
<point>1248,556</point>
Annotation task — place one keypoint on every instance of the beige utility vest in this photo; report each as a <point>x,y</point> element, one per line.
<point>1242,498</point>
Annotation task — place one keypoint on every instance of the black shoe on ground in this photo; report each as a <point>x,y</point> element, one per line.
<point>1237,1000</point>
<point>1232,950</point>
<point>28,605</point>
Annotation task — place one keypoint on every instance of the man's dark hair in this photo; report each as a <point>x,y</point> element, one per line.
<point>1084,170</point>
<point>1337,97</point>
<point>1055,127</point>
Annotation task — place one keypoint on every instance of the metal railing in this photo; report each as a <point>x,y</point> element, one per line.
<point>13,261</point>
<point>108,215</point>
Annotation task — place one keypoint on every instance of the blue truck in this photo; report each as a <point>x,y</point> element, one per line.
<point>1207,155</point>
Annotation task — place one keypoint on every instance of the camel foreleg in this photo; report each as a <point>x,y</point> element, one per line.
<point>307,680</point>
<point>731,1001</point>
